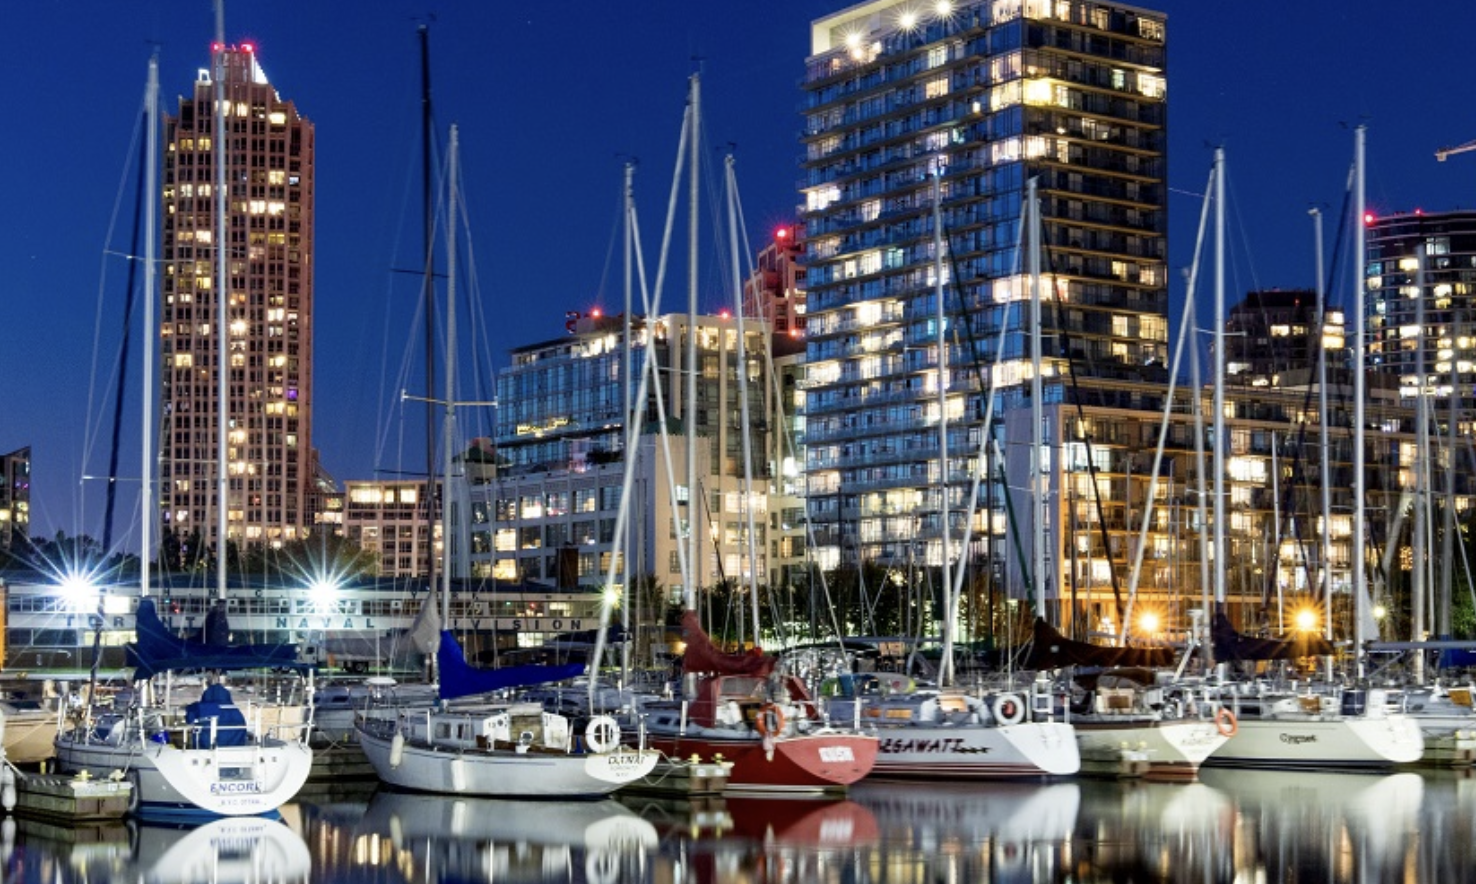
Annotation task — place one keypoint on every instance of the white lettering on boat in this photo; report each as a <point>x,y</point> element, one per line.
<point>836,753</point>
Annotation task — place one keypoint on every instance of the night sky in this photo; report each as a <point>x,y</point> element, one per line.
<point>551,100</point>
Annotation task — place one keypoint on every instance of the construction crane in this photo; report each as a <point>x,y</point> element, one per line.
<point>1445,152</point>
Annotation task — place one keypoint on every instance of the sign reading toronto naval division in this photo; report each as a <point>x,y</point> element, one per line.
<point>328,622</point>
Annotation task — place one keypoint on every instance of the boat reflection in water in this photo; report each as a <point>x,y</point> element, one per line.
<point>231,850</point>
<point>1325,826</point>
<point>445,838</point>
<point>1153,831</point>
<point>1232,826</point>
<point>968,832</point>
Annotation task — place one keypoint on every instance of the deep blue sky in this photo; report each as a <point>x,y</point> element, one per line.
<point>550,98</point>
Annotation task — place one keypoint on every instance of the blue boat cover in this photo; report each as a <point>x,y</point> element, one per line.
<point>460,679</point>
<point>216,703</point>
<point>159,650</point>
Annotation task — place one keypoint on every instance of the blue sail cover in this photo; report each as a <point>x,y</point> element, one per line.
<point>159,650</point>
<point>460,679</point>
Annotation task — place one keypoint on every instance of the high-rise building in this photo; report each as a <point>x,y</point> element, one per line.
<point>1272,338</point>
<point>917,110</point>
<point>387,517</point>
<point>550,515</point>
<point>15,499</point>
<point>775,291</point>
<point>1421,308</point>
<point>269,459</point>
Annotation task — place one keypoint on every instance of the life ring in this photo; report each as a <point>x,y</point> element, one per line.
<point>1225,721</point>
<point>1008,709</point>
<point>770,720</point>
<point>602,734</point>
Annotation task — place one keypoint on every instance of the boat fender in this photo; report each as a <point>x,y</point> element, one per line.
<point>7,787</point>
<point>397,750</point>
<point>1008,709</point>
<point>770,720</point>
<point>135,794</point>
<point>602,734</point>
<point>1225,721</point>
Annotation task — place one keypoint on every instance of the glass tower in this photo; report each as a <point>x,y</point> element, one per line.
<point>968,101</point>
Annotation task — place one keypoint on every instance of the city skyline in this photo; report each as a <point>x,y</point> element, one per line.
<point>544,158</point>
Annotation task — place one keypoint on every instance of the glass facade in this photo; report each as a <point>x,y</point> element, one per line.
<point>968,101</point>
<point>1421,307</point>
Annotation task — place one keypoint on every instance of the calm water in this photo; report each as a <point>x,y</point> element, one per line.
<point>1229,827</point>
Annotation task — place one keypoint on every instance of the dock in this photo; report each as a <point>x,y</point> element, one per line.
<point>683,778</point>
<point>70,799</point>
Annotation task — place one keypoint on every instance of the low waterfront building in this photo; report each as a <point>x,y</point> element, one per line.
<point>356,625</point>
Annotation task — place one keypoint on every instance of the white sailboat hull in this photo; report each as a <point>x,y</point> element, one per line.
<point>1030,749</point>
<point>1159,750</point>
<point>503,773</point>
<point>1323,742</point>
<point>169,781</point>
<point>1450,737</point>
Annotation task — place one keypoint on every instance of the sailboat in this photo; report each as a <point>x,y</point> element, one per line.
<point>944,732</point>
<point>210,757</point>
<point>735,708</point>
<point>1134,714</point>
<point>502,750</point>
<point>1335,726</point>
<point>498,750</point>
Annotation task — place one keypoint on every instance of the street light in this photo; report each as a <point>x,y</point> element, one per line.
<point>1306,620</point>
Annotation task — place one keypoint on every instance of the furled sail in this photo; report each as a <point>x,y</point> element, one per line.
<point>1049,649</point>
<point>461,679</point>
<point>703,656</point>
<point>1233,647</point>
<point>160,650</point>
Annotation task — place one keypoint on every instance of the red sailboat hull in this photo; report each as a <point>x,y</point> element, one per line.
<point>804,763</point>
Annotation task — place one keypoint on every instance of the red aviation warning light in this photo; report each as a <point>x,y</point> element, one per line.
<point>1368,219</point>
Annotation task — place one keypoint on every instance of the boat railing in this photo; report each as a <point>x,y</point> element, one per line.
<point>1042,700</point>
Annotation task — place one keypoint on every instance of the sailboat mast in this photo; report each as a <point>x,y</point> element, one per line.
<point>448,430</point>
<point>695,515</point>
<point>1037,394</point>
<point>945,665</point>
<point>1420,567</point>
<point>1322,422</point>
<point>630,545</point>
<point>428,286</point>
<point>150,335</point>
<point>1360,561</point>
<point>222,321</point>
<point>741,355</point>
<point>1219,449</point>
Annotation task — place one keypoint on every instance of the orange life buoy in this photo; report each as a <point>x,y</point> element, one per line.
<point>770,720</point>
<point>1225,721</point>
